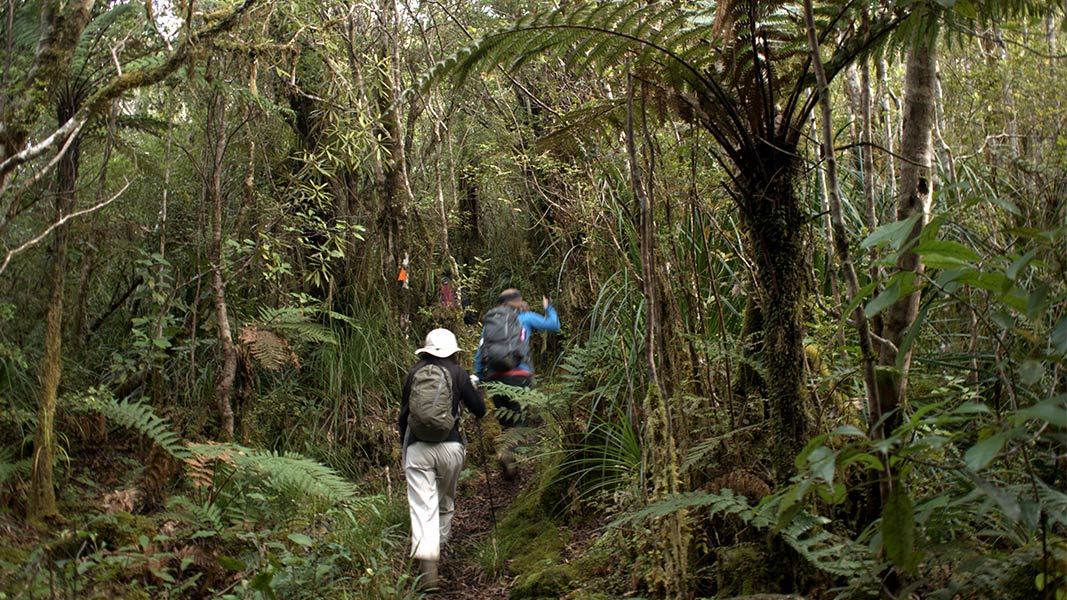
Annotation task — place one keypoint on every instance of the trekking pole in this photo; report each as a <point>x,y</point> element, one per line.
<point>485,460</point>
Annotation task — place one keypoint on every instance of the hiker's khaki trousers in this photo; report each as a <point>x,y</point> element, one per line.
<point>432,472</point>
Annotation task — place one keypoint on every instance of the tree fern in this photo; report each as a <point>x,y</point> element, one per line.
<point>92,40</point>
<point>738,66</point>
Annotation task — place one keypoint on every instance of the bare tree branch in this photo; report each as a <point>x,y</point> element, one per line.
<point>37,239</point>
<point>64,132</point>
<point>37,176</point>
<point>125,82</point>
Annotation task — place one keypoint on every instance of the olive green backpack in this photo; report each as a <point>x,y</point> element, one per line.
<point>430,416</point>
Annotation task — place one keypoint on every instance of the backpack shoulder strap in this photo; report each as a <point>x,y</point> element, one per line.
<point>456,373</point>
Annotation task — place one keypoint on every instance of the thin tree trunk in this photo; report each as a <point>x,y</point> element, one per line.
<point>42,497</point>
<point>672,543</point>
<point>1011,121</point>
<point>646,240</point>
<point>395,181</point>
<point>1050,33</point>
<point>215,150</point>
<point>828,231</point>
<point>946,157</point>
<point>915,188</point>
<point>888,130</point>
<point>867,158</point>
<point>840,237</point>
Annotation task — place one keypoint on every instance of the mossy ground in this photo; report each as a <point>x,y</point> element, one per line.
<point>543,556</point>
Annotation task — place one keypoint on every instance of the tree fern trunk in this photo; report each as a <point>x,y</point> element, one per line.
<point>775,222</point>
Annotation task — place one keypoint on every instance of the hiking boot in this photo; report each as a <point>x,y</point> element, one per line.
<point>428,580</point>
<point>508,467</point>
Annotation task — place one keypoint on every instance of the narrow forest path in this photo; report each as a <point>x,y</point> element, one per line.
<point>463,576</point>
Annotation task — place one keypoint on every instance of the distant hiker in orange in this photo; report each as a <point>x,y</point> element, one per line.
<point>434,446</point>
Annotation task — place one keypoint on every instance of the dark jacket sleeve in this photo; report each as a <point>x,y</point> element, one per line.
<point>405,394</point>
<point>470,396</point>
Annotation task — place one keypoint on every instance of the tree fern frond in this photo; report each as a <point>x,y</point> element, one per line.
<point>587,119</point>
<point>92,37</point>
<point>25,27</point>
<point>1053,502</point>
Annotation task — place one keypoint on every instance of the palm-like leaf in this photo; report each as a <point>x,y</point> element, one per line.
<point>740,68</point>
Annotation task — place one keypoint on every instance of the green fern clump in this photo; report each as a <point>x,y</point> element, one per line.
<point>298,325</point>
<point>12,467</point>
<point>288,475</point>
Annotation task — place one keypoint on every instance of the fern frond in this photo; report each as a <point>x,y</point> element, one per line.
<point>526,397</point>
<point>297,324</point>
<point>270,338</point>
<point>826,551</point>
<point>1053,502</point>
<point>10,467</point>
<point>133,415</point>
<point>203,516</point>
<point>92,37</point>
<point>270,350</point>
<point>289,473</point>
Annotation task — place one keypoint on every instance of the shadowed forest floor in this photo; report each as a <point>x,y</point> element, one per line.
<point>462,575</point>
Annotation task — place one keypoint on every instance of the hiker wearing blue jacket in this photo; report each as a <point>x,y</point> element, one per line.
<point>503,356</point>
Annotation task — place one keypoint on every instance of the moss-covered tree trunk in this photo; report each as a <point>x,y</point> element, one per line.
<point>42,498</point>
<point>775,220</point>
<point>393,186</point>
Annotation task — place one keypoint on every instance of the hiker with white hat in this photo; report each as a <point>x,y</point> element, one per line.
<point>434,446</point>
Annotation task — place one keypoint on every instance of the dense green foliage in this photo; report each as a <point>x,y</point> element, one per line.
<point>772,377</point>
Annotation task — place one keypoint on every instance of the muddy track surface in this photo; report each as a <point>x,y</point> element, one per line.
<point>462,577</point>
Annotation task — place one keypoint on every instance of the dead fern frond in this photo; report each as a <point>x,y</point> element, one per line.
<point>200,468</point>
<point>741,482</point>
<point>120,500</point>
<point>270,350</point>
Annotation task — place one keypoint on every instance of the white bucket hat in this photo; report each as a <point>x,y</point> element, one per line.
<point>440,343</point>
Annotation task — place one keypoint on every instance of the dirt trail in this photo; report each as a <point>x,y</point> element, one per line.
<point>462,577</point>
